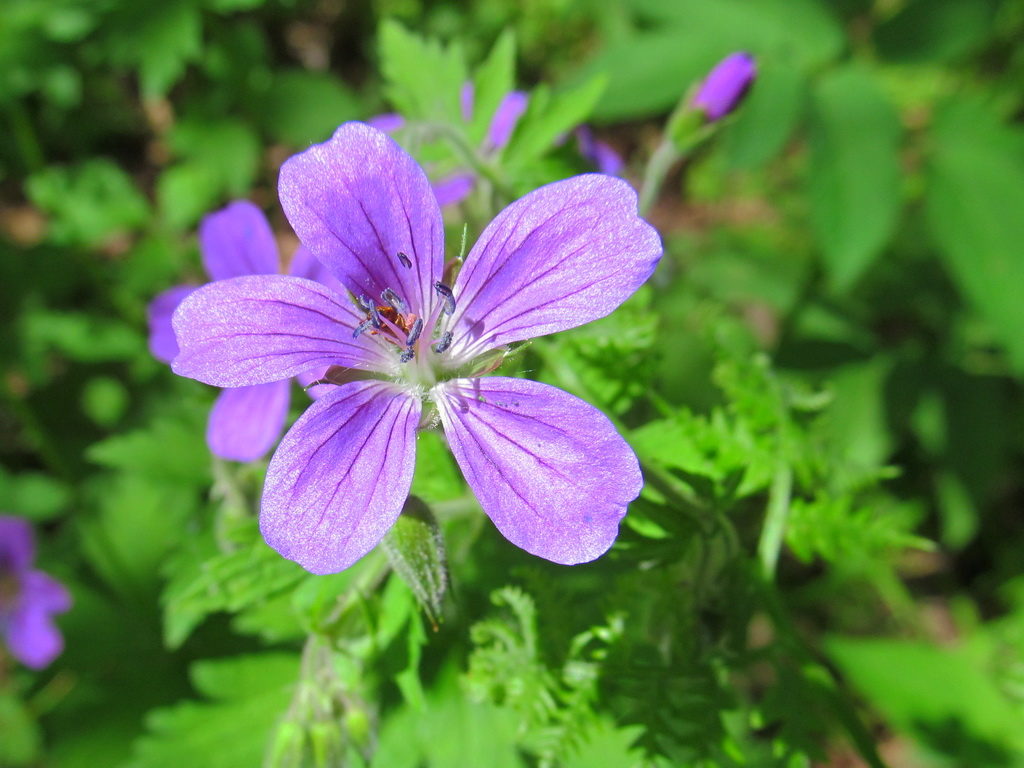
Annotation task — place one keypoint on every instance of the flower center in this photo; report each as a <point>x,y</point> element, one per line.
<point>415,339</point>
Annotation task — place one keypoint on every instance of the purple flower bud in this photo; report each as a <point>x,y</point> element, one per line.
<point>28,598</point>
<point>726,85</point>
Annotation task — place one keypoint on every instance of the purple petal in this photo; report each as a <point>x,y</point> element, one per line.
<point>505,119</point>
<point>467,95</point>
<point>389,122</point>
<point>17,545</point>
<point>237,240</point>
<point>563,255</point>
<point>598,153</point>
<point>245,422</point>
<point>549,469</point>
<point>306,380</point>
<point>725,86</point>
<point>341,475</point>
<point>263,328</point>
<point>33,638</point>
<point>305,264</point>
<point>40,590</point>
<point>359,200</point>
<point>162,344</point>
<point>31,634</point>
<point>454,189</point>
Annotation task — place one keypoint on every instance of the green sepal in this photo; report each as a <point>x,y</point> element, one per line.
<point>415,549</point>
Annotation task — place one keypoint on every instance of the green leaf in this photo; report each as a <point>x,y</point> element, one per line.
<point>975,187</point>
<point>22,737</point>
<point>494,79</point>
<point>770,113</point>
<point>437,477</point>
<point>246,695</point>
<point>144,451</point>
<point>88,204</point>
<point>140,521</point>
<point>649,70</point>
<point>854,176</point>
<point>302,107</point>
<point>83,337</point>
<point>935,30</point>
<point>204,581</point>
<point>159,39</point>
<point>945,697</point>
<point>220,160</point>
<point>33,495</point>
<point>423,77</point>
<point>550,116</point>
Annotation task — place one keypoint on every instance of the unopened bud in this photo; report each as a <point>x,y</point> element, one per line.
<point>415,550</point>
<point>725,86</point>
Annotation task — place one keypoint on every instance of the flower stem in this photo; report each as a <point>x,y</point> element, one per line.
<point>658,164</point>
<point>773,533</point>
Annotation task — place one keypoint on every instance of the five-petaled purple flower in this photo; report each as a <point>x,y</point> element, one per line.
<point>245,422</point>
<point>28,598</point>
<point>725,86</point>
<point>408,349</point>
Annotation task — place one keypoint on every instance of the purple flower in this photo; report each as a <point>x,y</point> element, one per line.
<point>28,598</point>
<point>407,351</point>
<point>725,86</point>
<point>245,422</point>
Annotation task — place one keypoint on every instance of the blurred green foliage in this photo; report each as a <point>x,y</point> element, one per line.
<point>822,382</point>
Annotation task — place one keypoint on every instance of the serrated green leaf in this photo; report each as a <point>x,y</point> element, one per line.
<point>220,161</point>
<point>550,116</point>
<point>423,77</point>
<point>89,203</point>
<point>80,336</point>
<point>248,694</point>
<point>204,581</point>
<point>144,451</point>
<point>854,176</point>
<point>140,521</point>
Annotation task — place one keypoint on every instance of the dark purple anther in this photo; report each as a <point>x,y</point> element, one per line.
<point>406,262</point>
<point>414,332</point>
<point>407,355</point>
<point>447,296</point>
<point>362,328</point>
<point>392,299</point>
<point>725,86</point>
<point>446,341</point>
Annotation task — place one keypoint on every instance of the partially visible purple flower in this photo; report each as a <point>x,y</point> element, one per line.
<point>389,122</point>
<point>456,187</point>
<point>28,598</point>
<point>725,86</point>
<point>409,351</point>
<point>598,153</point>
<point>244,422</point>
